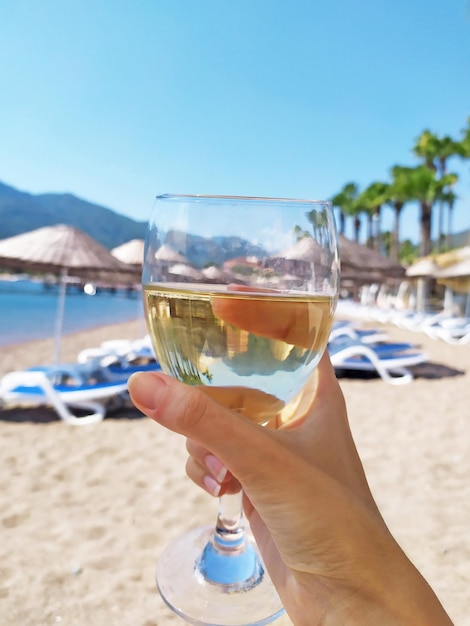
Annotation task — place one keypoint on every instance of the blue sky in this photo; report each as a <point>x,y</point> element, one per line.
<point>117,101</point>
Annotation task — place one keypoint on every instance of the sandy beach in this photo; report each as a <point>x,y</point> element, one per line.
<point>85,511</point>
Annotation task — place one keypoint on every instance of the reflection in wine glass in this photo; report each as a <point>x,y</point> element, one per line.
<point>239,296</point>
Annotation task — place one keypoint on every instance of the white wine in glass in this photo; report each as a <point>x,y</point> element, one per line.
<point>239,297</point>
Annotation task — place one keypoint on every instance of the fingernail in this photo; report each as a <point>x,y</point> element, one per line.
<point>215,467</point>
<point>144,388</point>
<point>211,485</point>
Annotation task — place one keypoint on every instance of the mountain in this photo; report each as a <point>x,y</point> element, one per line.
<point>459,240</point>
<point>21,212</point>
<point>201,251</point>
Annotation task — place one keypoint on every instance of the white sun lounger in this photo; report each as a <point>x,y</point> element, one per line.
<point>369,336</point>
<point>40,386</point>
<point>391,362</point>
<point>121,350</point>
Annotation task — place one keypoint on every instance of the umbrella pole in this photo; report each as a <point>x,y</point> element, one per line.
<point>422,295</point>
<point>448,300</point>
<point>60,315</point>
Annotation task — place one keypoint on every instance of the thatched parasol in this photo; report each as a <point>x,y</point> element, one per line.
<point>306,249</point>
<point>356,259</point>
<point>131,252</point>
<point>453,257</point>
<point>454,270</point>
<point>459,270</point>
<point>360,260</point>
<point>183,270</point>
<point>300,260</point>
<point>451,269</point>
<point>454,263</point>
<point>53,248</point>
<point>215,274</point>
<point>169,254</point>
<point>422,268</point>
<point>60,250</point>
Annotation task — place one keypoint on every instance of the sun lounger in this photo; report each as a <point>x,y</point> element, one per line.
<point>389,361</point>
<point>120,359</point>
<point>63,387</point>
<point>454,331</point>
<point>123,350</point>
<point>347,329</point>
<point>119,370</point>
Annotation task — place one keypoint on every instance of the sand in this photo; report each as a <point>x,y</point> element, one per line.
<point>85,511</point>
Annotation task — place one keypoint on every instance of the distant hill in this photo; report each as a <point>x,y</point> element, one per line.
<point>21,212</point>
<point>459,240</point>
<point>201,251</point>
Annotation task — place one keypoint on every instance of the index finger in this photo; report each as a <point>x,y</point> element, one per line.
<point>304,321</point>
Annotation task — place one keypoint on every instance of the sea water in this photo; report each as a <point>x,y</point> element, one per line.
<point>28,310</point>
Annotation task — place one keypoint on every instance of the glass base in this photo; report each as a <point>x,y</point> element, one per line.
<point>210,588</point>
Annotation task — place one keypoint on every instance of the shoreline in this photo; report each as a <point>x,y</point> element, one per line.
<point>91,329</point>
<point>85,511</point>
<point>41,351</point>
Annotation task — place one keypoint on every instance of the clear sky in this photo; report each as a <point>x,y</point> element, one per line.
<point>118,100</point>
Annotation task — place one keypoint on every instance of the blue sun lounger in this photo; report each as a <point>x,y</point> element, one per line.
<point>85,387</point>
<point>391,361</point>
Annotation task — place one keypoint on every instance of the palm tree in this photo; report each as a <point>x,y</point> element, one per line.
<point>371,201</point>
<point>449,200</point>
<point>319,220</point>
<point>426,188</point>
<point>465,143</point>
<point>464,154</point>
<point>436,151</point>
<point>361,206</point>
<point>399,193</point>
<point>345,201</point>
<point>447,148</point>
<point>355,212</point>
<point>426,148</point>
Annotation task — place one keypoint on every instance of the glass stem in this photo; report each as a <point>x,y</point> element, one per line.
<point>228,557</point>
<point>229,528</point>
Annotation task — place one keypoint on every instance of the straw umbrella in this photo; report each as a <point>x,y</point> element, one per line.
<point>215,274</point>
<point>358,259</point>
<point>359,264</point>
<point>423,270</point>
<point>61,250</point>
<point>456,275</point>
<point>169,254</point>
<point>131,252</point>
<point>451,269</point>
<point>185,271</point>
<point>458,271</point>
<point>299,260</point>
<point>305,249</point>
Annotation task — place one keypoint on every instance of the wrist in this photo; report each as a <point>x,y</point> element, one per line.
<point>401,597</point>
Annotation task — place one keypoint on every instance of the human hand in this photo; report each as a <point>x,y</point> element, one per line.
<point>326,547</point>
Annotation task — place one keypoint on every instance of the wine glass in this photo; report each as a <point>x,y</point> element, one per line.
<point>239,298</point>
